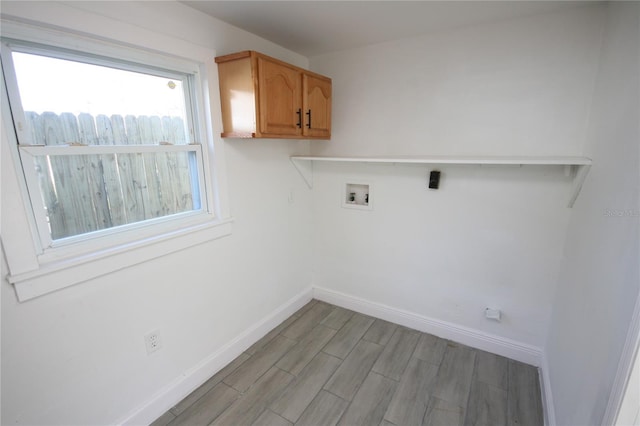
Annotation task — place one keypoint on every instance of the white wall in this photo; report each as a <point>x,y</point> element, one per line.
<point>490,237</point>
<point>516,87</point>
<point>599,281</point>
<point>77,356</point>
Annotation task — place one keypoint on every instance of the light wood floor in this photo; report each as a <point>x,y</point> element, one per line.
<point>326,365</point>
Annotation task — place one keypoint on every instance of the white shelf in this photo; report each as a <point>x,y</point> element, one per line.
<point>557,161</point>
<point>578,167</point>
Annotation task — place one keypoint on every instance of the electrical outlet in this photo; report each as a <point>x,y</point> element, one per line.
<point>152,341</point>
<point>493,314</point>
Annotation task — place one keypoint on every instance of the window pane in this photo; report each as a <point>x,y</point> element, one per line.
<point>72,102</point>
<point>86,193</point>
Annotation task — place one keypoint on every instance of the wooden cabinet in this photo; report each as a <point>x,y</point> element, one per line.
<point>279,99</point>
<point>262,97</point>
<point>316,104</point>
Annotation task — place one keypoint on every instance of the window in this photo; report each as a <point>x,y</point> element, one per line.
<point>104,144</point>
<point>112,154</point>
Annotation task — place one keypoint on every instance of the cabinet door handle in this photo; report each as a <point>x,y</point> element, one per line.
<point>309,123</point>
<point>299,124</point>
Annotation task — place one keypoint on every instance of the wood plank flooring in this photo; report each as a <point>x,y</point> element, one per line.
<point>326,365</point>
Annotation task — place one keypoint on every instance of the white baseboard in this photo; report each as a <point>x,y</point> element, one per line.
<point>522,352</point>
<point>548,408</point>
<point>179,388</point>
<point>182,386</point>
<point>512,349</point>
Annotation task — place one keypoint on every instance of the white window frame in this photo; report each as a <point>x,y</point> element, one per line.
<point>45,265</point>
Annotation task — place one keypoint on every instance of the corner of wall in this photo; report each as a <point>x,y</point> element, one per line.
<point>183,385</point>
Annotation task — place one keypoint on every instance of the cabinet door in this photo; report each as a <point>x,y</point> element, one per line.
<point>280,95</point>
<point>317,106</point>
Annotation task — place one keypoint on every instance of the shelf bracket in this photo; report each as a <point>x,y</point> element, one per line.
<point>305,168</point>
<point>581,174</point>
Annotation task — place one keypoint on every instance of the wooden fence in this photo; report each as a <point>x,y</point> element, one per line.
<point>85,193</point>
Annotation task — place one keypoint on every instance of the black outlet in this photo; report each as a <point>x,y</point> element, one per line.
<point>434,179</point>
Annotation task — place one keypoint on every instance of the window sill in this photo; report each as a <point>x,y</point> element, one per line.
<point>57,275</point>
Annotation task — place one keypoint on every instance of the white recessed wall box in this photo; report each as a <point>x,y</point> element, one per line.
<point>357,195</point>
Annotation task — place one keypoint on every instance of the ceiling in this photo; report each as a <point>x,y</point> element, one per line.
<point>312,28</point>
